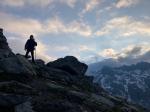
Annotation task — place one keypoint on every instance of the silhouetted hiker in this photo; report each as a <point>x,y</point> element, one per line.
<point>30,47</point>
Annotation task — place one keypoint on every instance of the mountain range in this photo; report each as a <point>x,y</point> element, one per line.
<point>131,82</point>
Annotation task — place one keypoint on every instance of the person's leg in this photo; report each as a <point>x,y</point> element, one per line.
<point>27,52</point>
<point>32,54</point>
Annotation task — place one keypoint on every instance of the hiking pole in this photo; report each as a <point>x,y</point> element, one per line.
<point>35,54</point>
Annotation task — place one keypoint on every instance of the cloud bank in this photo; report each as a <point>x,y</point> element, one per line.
<point>126,3</point>
<point>124,26</point>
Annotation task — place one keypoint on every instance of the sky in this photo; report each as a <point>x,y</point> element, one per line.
<point>91,30</point>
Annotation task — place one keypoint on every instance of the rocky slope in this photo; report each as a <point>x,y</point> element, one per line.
<point>59,86</point>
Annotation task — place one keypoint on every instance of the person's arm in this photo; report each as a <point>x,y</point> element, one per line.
<point>35,43</point>
<point>25,47</point>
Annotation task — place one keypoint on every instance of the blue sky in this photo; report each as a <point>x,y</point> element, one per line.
<point>91,30</point>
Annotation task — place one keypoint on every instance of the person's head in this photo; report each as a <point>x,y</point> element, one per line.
<point>31,37</point>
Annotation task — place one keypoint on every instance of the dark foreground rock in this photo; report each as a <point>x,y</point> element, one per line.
<point>59,86</point>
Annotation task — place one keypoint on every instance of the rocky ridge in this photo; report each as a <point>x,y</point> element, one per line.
<point>59,86</point>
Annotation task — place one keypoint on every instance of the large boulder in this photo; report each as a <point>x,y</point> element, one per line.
<point>69,64</point>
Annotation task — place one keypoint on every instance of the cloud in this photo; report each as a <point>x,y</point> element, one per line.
<point>42,3</point>
<point>80,27</point>
<point>27,26</point>
<point>13,3</point>
<point>58,48</point>
<point>125,3</point>
<point>83,48</point>
<point>124,26</point>
<point>17,44</point>
<point>70,3</point>
<point>38,3</point>
<point>42,52</point>
<point>55,25</point>
<point>130,55</point>
<point>20,3</point>
<point>132,51</point>
<point>109,53</point>
<point>90,5</point>
<point>19,26</point>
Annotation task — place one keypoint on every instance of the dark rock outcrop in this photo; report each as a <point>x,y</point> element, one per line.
<point>59,86</point>
<point>69,64</point>
<point>5,51</point>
